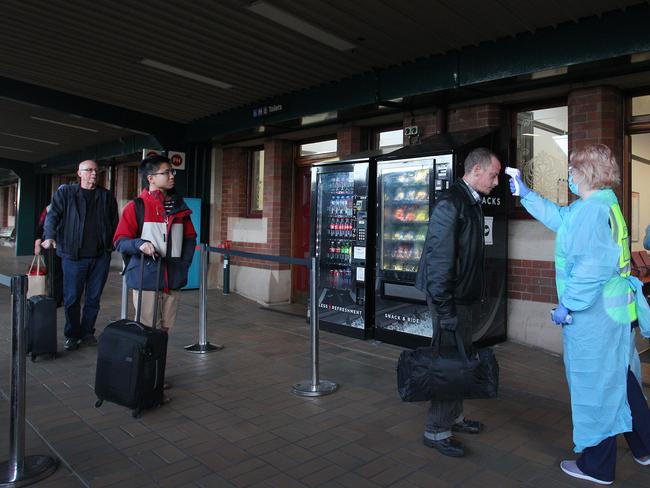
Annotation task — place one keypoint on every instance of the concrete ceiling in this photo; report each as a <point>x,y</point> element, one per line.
<point>111,53</point>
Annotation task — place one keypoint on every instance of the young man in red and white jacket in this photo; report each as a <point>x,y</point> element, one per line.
<point>167,234</point>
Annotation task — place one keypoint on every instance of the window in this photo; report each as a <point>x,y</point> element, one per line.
<point>256,183</point>
<point>317,148</point>
<point>641,105</point>
<point>542,151</point>
<point>390,139</point>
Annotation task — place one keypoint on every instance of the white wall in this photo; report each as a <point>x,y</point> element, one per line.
<point>529,322</point>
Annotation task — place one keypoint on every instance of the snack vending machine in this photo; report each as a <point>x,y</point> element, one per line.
<point>408,183</point>
<point>341,239</point>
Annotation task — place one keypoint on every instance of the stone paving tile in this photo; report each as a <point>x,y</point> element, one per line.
<point>420,479</point>
<point>234,423</point>
<point>170,454</point>
<point>280,480</point>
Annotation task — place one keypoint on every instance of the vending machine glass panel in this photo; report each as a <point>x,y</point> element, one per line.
<point>341,246</point>
<point>404,213</point>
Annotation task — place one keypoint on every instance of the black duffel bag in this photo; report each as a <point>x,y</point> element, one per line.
<point>446,373</point>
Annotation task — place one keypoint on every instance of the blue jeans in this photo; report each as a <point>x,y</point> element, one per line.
<point>83,275</point>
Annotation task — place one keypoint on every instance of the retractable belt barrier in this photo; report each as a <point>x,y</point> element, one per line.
<point>315,386</point>
<point>20,470</point>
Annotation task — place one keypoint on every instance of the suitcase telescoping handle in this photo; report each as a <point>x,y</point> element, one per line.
<point>155,301</point>
<point>50,271</point>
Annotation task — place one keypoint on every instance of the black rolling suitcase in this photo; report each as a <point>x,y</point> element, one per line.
<point>41,320</point>
<point>131,360</point>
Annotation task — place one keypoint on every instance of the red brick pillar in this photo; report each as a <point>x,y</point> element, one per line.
<point>235,177</point>
<point>596,117</point>
<point>349,141</point>
<point>474,117</point>
<point>278,197</point>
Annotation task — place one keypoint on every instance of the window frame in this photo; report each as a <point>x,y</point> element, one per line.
<point>316,158</point>
<point>250,212</point>
<point>518,212</point>
<point>376,131</point>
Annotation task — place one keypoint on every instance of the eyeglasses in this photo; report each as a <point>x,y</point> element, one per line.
<point>89,170</point>
<point>167,173</point>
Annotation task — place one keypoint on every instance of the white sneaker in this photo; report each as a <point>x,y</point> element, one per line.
<point>571,468</point>
<point>644,461</point>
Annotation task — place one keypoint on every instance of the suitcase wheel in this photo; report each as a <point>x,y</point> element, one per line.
<point>136,413</point>
<point>98,403</point>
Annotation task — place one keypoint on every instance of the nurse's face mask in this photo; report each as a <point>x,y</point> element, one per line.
<point>573,186</point>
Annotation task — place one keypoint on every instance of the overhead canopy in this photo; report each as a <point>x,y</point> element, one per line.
<point>166,67</point>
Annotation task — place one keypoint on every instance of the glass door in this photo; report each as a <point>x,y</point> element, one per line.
<point>335,204</point>
<point>404,207</point>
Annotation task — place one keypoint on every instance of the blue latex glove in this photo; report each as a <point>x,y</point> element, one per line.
<point>523,188</point>
<point>559,314</point>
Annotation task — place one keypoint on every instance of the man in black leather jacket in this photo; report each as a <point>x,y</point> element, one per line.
<point>451,275</point>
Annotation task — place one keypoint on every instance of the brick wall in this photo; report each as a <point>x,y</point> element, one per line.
<point>278,197</point>
<point>474,117</point>
<point>596,117</point>
<point>278,191</point>
<point>531,280</point>
<point>235,176</point>
<point>350,140</point>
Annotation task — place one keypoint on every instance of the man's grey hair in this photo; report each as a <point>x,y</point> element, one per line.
<point>481,156</point>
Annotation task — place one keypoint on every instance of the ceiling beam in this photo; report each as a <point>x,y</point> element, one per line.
<point>168,132</point>
<point>101,152</point>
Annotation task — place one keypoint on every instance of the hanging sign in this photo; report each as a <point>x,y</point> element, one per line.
<point>177,159</point>
<point>150,152</point>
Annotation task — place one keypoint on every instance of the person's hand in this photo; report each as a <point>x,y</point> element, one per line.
<point>37,247</point>
<point>523,188</point>
<point>449,323</point>
<point>148,249</point>
<point>47,243</point>
<point>559,314</point>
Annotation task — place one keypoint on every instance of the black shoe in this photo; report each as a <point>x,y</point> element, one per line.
<point>71,344</point>
<point>449,446</point>
<point>468,426</point>
<point>89,340</point>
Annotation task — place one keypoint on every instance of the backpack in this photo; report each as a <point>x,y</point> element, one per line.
<point>138,204</point>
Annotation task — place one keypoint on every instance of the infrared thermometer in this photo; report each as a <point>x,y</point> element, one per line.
<point>514,173</point>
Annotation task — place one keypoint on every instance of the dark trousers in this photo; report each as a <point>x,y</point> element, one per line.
<point>600,461</point>
<point>83,276</point>
<point>443,414</point>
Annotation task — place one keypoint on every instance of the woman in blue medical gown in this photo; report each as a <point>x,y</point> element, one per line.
<point>597,310</point>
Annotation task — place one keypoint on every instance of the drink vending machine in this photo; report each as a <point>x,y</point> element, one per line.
<point>408,182</point>
<point>342,241</point>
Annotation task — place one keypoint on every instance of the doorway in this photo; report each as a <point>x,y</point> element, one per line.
<point>301,233</point>
<point>638,169</point>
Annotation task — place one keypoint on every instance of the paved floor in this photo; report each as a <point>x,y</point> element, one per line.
<point>233,422</point>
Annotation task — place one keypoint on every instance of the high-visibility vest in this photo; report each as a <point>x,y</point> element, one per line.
<point>621,237</point>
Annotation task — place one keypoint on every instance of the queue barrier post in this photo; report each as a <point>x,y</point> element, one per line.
<point>315,387</point>
<point>20,470</point>
<point>203,346</point>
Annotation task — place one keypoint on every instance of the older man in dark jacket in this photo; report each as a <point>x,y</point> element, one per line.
<point>80,225</point>
<point>451,275</point>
